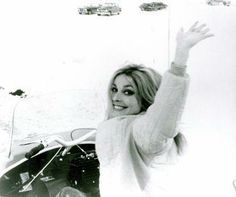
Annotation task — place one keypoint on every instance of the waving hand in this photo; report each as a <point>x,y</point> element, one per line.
<point>187,39</point>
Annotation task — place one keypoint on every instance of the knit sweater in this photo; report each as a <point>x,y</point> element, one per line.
<point>130,147</point>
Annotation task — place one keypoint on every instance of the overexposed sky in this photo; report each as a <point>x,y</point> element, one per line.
<point>47,45</point>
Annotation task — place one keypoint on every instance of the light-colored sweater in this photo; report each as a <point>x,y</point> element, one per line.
<point>130,147</point>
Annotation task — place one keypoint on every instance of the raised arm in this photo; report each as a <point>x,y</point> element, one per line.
<point>158,126</point>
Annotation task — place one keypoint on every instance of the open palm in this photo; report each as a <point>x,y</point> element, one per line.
<point>194,35</point>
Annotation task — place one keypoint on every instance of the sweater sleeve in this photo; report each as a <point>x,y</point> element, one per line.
<point>154,130</point>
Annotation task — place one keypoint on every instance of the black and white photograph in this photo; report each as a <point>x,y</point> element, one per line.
<point>111,98</point>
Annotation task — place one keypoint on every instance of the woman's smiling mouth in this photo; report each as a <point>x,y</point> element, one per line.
<point>118,107</point>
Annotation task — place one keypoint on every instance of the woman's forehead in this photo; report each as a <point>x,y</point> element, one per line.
<point>124,80</point>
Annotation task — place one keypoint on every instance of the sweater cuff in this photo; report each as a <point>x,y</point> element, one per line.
<point>178,70</point>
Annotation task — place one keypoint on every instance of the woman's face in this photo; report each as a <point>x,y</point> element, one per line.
<point>124,97</point>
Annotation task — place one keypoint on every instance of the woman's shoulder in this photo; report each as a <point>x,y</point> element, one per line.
<point>119,119</point>
<point>118,123</point>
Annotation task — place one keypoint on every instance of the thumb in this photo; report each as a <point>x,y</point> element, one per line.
<point>181,30</point>
<point>180,33</point>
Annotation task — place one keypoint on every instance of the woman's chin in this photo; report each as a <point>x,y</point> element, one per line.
<point>115,114</point>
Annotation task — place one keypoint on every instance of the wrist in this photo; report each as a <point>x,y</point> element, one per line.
<point>181,56</point>
<point>178,70</point>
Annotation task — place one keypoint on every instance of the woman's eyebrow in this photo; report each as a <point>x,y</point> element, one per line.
<point>128,86</point>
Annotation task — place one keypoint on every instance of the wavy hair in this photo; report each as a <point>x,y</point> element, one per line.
<point>146,80</point>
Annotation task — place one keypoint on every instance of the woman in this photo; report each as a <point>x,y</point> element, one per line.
<point>140,132</point>
<point>142,122</point>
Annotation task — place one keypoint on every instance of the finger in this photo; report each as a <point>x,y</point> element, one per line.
<point>207,36</point>
<point>181,30</point>
<point>200,28</point>
<point>193,26</point>
<point>205,31</point>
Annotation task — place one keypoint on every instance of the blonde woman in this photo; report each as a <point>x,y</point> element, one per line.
<point>142,122</point>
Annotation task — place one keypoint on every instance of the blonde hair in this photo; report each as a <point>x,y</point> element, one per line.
<point>147,81</point>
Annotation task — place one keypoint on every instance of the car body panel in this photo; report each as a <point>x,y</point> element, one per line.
<point>218,2</point>
<point>153,6</point>
<point>88,10</point>
<point>108,9</point>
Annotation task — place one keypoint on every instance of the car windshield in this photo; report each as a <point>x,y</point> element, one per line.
<point>25,119</point>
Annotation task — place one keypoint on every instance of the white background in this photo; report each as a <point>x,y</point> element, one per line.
<point>47,46</point>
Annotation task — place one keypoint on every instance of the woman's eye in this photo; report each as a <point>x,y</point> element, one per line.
<point>114,89</point>
<point>128,92</point>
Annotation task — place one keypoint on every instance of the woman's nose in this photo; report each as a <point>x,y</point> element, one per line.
<point>117,96</point>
